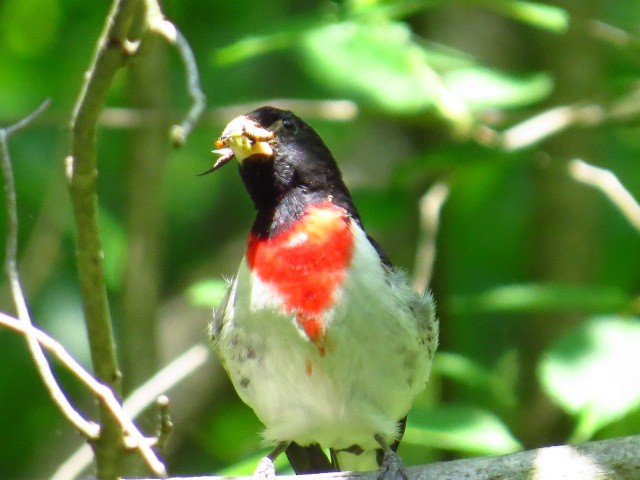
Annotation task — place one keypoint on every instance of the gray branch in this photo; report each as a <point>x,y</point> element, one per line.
<point>616,459</point>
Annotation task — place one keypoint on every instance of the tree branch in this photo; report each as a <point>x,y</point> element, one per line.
<point>608,183</point>
<point>615,459</point>
<point>111,53</point>
<point>431,205</point>
<point>167,30</point>
<point>143,396</point>
<point>87,428</point>
<point>127,118</point>
<point>554,121</point>
<point>35,337</point>
<point>120,39</point>
<point>135,439</point>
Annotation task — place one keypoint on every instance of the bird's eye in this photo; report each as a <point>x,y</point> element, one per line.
<point>285,124</point>
<point>289,124</point>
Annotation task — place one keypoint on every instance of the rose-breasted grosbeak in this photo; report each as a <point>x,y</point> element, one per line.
<point>319,334</point>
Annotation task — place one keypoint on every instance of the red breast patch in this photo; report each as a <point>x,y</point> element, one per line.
<point>306,264</point>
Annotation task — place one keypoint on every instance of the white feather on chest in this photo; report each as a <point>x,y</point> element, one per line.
<point>378,348</point>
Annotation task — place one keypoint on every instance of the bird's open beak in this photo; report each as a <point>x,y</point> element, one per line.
<point>242,138</point>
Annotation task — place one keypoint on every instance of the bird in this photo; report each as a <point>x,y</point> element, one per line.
<point>320,335</point>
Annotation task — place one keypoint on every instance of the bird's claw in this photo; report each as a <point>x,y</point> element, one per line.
<point>265,470</point>
<point>392,467</point>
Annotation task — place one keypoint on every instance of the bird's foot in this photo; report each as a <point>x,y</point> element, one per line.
<point>392,467</point>
<point>265,470</point>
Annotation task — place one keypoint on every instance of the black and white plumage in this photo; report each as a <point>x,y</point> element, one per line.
<point>320,335</point>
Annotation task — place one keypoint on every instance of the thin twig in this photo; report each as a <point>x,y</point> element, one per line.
<point>20,124</point>
<point>143,396</point>
<point>624,111</point>
<point>331,110</point>
<point>334,110</point>
<point>88,429</point>
<point>550,122</point>
<point>135,438</point>
<point>166,379</point>
<point>165,426</point>
<point>167,30</point>
<point>430,207</point>
<point>613,35</point>
<point>179,133</point>
<point>608,183</point>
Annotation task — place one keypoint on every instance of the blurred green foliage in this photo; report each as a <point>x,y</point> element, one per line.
<point>590,372</point>
<point>536,276</point>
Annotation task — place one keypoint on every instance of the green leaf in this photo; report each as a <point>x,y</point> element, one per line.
<point>461,428</point>
<point>531,298</point>
<point>252,46</point>
<point>207,293</point>
<point>389,9</point>
<point>541,15</point>
<point>375,60</point>
<point>381,63</point>
<point>592,372</point>
<point>277,37</point>
<point>481,88</point>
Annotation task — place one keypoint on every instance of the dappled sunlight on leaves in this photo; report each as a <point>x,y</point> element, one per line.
<point>462,428</point>
<point>592,372</point>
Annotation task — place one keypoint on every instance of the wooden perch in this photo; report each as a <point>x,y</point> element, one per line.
<point>616,459</point>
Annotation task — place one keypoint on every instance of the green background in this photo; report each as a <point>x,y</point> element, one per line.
<point>536,275</point>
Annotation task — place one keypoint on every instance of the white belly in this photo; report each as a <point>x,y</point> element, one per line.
<point>376,358</point>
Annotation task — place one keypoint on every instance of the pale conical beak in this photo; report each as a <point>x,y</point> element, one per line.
<point>242,138</point>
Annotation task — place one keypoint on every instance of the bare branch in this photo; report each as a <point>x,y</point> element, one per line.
<point>113,48</point>
<point>559,119</point>
<point>613,35</point>
<point>167,378</point>
<point>179,133</point>
<point>105,394</point>
<point>335,110</point>
<point>431,205</point>
<point>88,428</point>
<point>165,425</point>
<point>20,124</point>
<point>549,123</point>
<point>615,459</point>
<point>141,398</point>
<point>608,183</point>
<point>158,24</point>
<point>119,40</point>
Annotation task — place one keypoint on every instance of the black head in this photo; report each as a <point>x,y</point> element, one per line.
<point>301,161</point>
<point>284,163</point>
